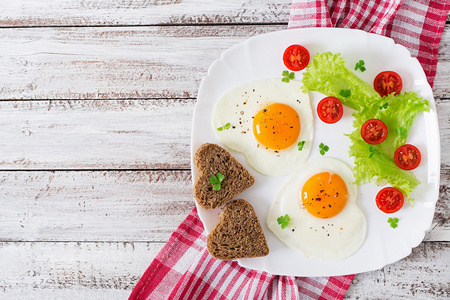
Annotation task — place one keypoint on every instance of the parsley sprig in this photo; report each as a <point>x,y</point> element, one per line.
<point>216,181</point>
<point>287,76</point>
<point>226,126</point>
<point>300,145</point>
<point>360,65</point>
<point>384,106</point>
<point>284,221</point>
<point>345,93</point>
<point>323,148</point>
<point>393,222</point>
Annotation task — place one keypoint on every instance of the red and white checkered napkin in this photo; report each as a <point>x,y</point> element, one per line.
<point>184,270</point>
<point>415,24</point>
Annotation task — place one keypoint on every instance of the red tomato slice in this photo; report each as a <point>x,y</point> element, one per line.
<point>330,110</point>
<point>296,57</point>
<point>389,200</point>
<point>407,157</point>
<point>388,82</point>
<point>374,131</point>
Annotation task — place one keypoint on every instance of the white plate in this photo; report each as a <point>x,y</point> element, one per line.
<point>261,57</point>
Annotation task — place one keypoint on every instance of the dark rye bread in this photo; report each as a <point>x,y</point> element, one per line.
<point>238,233</point>
<point>209,160</point>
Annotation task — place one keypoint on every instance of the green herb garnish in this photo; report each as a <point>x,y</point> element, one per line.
<point>226,126</point>
<point>384,106</point>
<point>393,222</point>
<point>284,221</point>
<point>360,65</point>
<point>287,76</point>
<point>402,132</point>
<point>323,148</point>
<point>216,181</point>
<point>345,93</point>
<point>300,145</point>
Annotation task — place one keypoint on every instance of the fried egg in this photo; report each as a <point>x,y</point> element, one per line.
<point>269,121</point>
<point>325,220</point>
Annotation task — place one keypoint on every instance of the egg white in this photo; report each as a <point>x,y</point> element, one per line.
<point>334,238</point>
<point>238,107</point>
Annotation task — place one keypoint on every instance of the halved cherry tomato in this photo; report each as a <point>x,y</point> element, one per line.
<point>407,157</point>
<point>388,82</point>
<point>330,110</point>
<point>374,131</point>
<point>389,200</point>
<point>296,57</point>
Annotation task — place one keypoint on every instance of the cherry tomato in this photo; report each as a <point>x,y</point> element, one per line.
<point>388,82</point>
<point>374,131</point>
<point>296,57</point>
<point>330,110</point>
<point>407,157</point>
<point>389,200</point>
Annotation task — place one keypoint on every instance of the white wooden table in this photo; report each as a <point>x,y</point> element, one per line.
<point>95,121</point>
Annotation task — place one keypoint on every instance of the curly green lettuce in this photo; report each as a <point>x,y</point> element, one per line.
<point>328,75</point>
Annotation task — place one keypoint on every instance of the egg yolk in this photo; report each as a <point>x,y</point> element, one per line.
<point>276,126</point>
<point>324,195</point>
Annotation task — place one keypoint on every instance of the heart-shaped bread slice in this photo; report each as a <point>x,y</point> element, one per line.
<point>238,233</point>
<point>211,159</point>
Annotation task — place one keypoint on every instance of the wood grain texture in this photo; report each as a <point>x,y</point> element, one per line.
<point>418,276</point>
<point>100,134</point>
<point>67,270</point>
<point>134,12</point>
<point>94,206</point>
<point>117,206</point>
<point>127,62</point>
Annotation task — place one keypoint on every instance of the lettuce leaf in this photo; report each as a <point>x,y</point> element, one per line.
<point>328,75</point>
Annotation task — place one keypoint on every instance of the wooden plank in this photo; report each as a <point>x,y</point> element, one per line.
<point>422,275</point>
<point>111,134</point>
<point>94,206</point>
<point>62,270</point>
<point>100,134</point>
<point>127,62</point>
<point>133,12</point>
<point>116,206</point>
<point>49,270</point>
